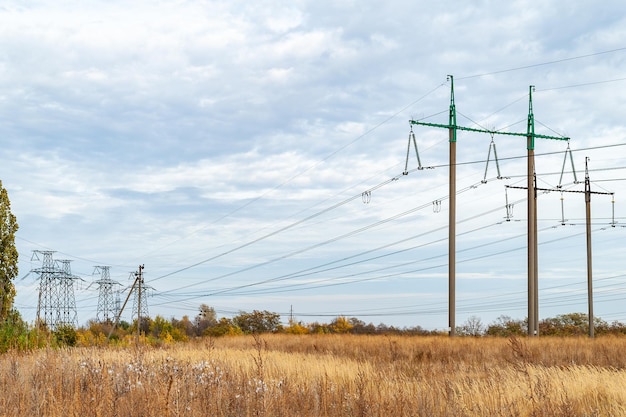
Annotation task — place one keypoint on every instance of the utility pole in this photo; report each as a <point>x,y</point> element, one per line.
<point>532,206</point>
<point>141,306</point>
<point>587,193</point>
<point>533,293</point>
<point>452,214</point>
<point>588,233</point>
<point>121,310</point>
<point>139,280</point>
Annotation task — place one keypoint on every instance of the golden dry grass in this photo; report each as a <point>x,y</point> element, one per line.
<point>331,375</point>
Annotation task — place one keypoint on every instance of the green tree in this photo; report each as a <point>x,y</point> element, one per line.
<point>224,327</point>
<point>8,254</point>
<point>160,326</point>
<point>65,335</point>
<point>257,322</point>
<point>319,328</point>
<point>569,324</point>
<point>12,329</point>
<point>506,326</point>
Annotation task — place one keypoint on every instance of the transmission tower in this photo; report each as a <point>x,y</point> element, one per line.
<point>108,303</point>
<point>66,315</point>
<point>47,305</point>
<point>57,305</point>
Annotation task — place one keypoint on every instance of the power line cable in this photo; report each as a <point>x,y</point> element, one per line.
<point>293,177</point>
<point>302,250</point>
<point>337,238</point>
<point>557,61</point>
<point>582,84</point>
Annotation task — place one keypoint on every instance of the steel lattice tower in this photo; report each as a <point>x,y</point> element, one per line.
<point>108,304</point>
<point>47,305</point>
<point>57,305</point>
<point>66,315</point>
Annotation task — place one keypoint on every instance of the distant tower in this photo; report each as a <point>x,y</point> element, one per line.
<point>108,303</point>
<point>118,303</point>
<point>47,306</point>
<point>57,305</point>
<point>66,302</point>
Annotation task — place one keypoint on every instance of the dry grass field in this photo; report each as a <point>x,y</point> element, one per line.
<point>322,375</point>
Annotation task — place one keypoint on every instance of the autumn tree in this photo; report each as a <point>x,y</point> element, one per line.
<point>341,325</point>
<point>224,327</point>
<point>506,326</point>
<point>206,318</point>
<point>257,321</point>
<point>8,254</point>
<point>570,324</point>
<point>473,326</point>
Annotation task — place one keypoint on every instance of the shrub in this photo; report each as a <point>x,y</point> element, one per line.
<point>65,335</point>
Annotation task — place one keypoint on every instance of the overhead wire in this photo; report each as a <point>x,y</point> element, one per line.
<point>326,158</point>
<point>379,277</point>
<point>582,84</point>
<point>311,271</point>
<point>317,214</point>
<point>475,304</point>
<point>332,240</point>
<point>556,61</point>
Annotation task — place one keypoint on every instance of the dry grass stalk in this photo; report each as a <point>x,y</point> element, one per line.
<point>283,375</point>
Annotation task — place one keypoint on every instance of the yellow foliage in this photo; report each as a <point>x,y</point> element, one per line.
<point>167,337</point>
<point>341,325</point>
<point>296,328</point>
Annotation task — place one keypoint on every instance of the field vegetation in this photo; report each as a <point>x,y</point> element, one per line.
<point>321,375</point>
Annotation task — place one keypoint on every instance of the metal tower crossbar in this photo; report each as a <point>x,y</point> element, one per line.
<point>492,132</point>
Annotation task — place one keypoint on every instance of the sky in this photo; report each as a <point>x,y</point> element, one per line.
<point>251,154</point>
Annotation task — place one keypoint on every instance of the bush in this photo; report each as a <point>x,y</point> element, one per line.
<point>65,335</point>
<point>257,322</point>
<point>224,327</point>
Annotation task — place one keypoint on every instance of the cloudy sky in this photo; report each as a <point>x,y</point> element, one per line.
<point>250,154</point>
